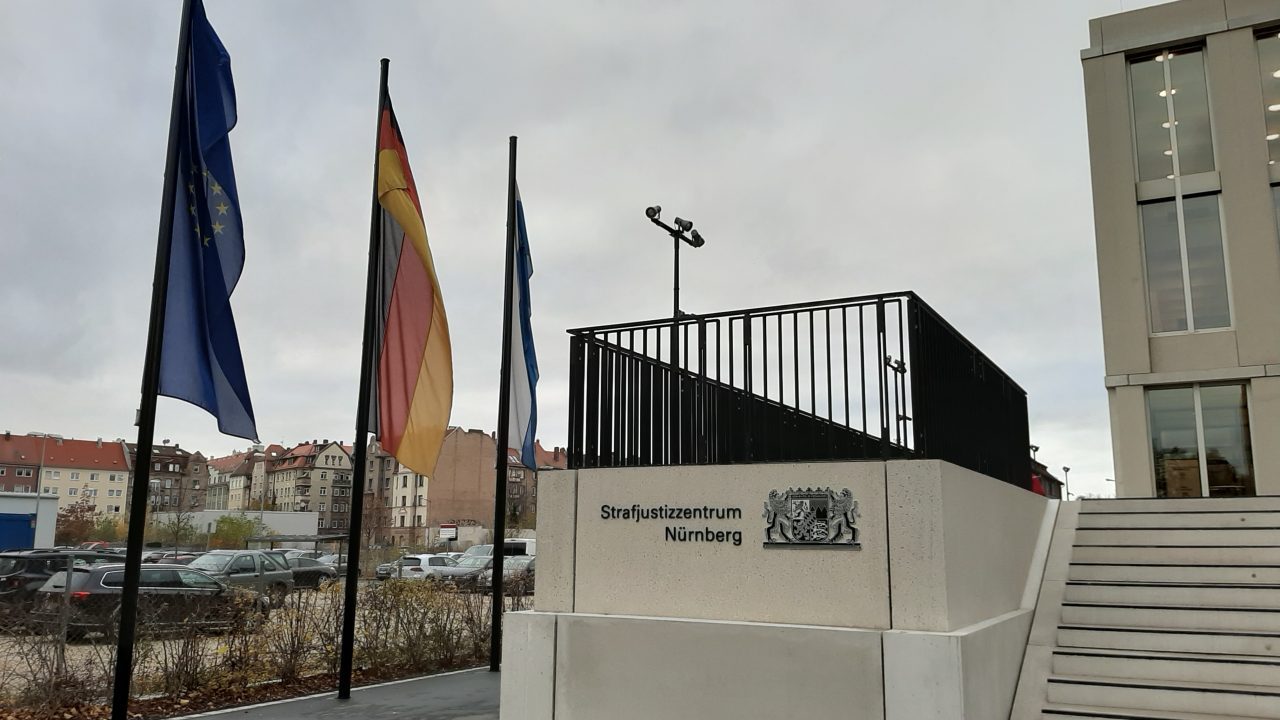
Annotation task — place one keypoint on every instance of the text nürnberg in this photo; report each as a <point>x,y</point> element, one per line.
<point>681,533</point>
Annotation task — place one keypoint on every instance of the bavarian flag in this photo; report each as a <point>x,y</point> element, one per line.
<point>414,362</point>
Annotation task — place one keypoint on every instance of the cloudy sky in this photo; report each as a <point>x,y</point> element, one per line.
<point>850,148</point>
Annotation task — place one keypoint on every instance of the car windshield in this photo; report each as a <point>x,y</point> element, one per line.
<point>328,559</point>
<point>473,562</point>
<point>516,563</point>
<point>212,563</point>
<point>10,565</point>
<point>410,562</point>
<point>481,550</point>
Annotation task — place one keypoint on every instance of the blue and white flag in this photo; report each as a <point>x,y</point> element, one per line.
<point>522,427</point>
<point>200,358</point>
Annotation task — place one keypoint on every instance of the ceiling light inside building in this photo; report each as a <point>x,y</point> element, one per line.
<point>1274,108</point>
<point>1164,93</point>
<point>1168,152</point>
<point>1276,74</point>
<point>1274,136</point>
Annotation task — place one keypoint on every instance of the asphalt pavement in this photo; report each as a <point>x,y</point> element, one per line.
<point>466,695</point>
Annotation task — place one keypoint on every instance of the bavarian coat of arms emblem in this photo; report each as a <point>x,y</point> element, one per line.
<point>811,516</point>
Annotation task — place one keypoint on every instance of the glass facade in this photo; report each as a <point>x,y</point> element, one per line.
<point>1200,441</point>
<point>1191,295</point>
<point>1269,60</point>
<point>1171,115</point>
<point>1182,235</point>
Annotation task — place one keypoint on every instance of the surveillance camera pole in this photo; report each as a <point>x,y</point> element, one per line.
<point>677,236</point>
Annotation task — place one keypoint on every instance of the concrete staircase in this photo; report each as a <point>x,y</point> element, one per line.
<point>1157,610</point>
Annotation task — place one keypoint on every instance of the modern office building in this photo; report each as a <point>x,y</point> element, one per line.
<point>1183,103</point>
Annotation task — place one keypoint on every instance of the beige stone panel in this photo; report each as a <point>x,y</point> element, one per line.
<point>557,521</point>
<point>962,544</point>
<point>528,666</point>
<point>992,533</point>
<point>1161,24</point>
<point>1241,13</point>
<point>1264,415</point>
<point>629,567</point>
<point>1253,251</point>
<point>917,538</point>
<point>1194,351</point>
<point>632,668</point>
<point>1131,443</point>
<point>1121,282</point>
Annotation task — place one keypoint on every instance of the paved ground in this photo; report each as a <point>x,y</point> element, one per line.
<point>469,695</point>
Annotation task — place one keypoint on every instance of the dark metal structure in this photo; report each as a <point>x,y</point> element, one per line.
<point>861,378</point>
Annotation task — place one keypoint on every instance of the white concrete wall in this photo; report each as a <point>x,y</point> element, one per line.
<point>278,522</point>
<point>627,624</point>
<point>969,674</point>
<point>625,668</point>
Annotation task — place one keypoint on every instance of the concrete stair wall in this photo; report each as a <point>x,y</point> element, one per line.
<point>1157,610</point>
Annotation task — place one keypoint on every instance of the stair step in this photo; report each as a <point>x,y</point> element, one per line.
<point>1178,594</point>
<point>1180,537</point>
<point>1201,697</point>
<point>1208,642</point>
<point>1141,555</point>
<point>1262,503</point>
<point>1209,519</point>
<point>1085,712</point>
<point>1172,617</point>
<point>1228,574</point>
<point>1248,670</point>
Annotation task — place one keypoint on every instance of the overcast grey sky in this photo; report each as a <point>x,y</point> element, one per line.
<point>825,149</point>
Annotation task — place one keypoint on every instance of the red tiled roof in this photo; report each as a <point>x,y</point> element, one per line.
<point>66,453</point>
<point>229,462</point>
<point>545,458</point>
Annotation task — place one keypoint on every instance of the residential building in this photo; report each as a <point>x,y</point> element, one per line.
<point>462,486</point>
<point>66,469</point>
<point>1183,105</point>
<point>178,479</point>
<point>380,471</point>
<point>231,484</point>
<point>313,477</point>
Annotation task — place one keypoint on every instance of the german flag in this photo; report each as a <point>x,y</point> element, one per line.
<point>413,359</point>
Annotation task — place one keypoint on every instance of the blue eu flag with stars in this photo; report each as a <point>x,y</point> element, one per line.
<point>200,358</point>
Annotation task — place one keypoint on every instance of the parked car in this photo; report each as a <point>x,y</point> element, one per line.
<point>311,573</point>
<point>337,561</point>
<point>257,570</point>
<point>511,548</point>
<point>468,571</point>
<point>313,554</point>
<point>23,572</point>
<point>430,567</point>
<point>171,557</point>
<point>168,596</point>
<point>517,576</point>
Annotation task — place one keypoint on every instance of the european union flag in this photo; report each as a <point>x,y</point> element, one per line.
<point>200,358</point>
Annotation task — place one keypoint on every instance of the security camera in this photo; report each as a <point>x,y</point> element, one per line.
<point>685,225</point>
<point>697,239</point>
<point>653,213</point>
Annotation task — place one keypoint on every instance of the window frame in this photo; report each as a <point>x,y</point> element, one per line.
<point>1201,451</point>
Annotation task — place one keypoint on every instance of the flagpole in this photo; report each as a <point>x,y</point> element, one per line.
<point>361,443</point>
<point>504,418</point>
<point>150,388</point>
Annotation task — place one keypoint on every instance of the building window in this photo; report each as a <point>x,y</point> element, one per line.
<point>75,476</point>
<point>23,472</point>
<point>401,521</point>
<point>321,522</point>
<point>72,491</point>
<point>1269,59</point>
<point>93,477</point>
<point>1171,115</point>
<point>1200,441</point>
<point>1186,269</point>
<point>321,507</point>
<point>2,471</point>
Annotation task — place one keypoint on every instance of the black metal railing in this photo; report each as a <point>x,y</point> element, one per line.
<point>873,377</point>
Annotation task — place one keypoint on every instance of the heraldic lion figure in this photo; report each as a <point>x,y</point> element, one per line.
<point>844,518</point>
<point>777,518</point>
